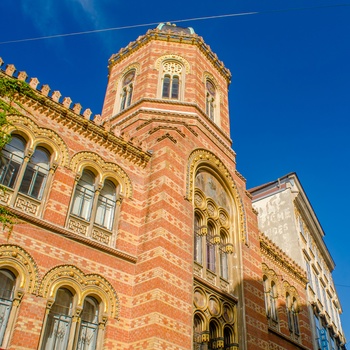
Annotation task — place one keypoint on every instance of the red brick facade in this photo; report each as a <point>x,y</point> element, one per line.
<point>141,270</point>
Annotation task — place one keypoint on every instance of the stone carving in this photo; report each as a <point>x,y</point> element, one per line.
<point>100,236</point>
<point>94,160</point>
<point>83,284</point>
<point>77,227</point>
<point>201,157</point>
<point>23,263</point>
<point>26,205</point>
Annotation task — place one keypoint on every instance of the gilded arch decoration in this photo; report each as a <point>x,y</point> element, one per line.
<point>271,275</point>
<point>93,160</point>
<point>134,66</point>
<point>17,259</point>
<point>287,288</point>
<point>199,158</point>
<point>83,284</point>
<point>40,135</point>
<point>175,58</point>
<point>211,307</point>
<point>207,75</point>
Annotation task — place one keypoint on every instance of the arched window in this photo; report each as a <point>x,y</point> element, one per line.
<point>211,249</point>
<point>197,332</point>
<point>295,317</point>
<point>7,284</point>
<point>23,174</point>
<point>12,157</point>
<point>210,100</point>
<point>88,325</point>
<point>292,314</point>
<point>213,335</point>
<point>58,323</point>
<point>106,205</point>
<point>171,80</point>
<point>212,242</point>
<point>266,294</point>
<point>273,297</point>
<point>35,175</point>
<point>84,195</point>
<point>228,339</point>
<point>127,90</point>
<point>198,250</point>
<point>94,207</point>
<point>223,256</point>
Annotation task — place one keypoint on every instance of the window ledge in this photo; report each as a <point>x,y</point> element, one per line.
<point>297,344</point>
<point>68,234</point>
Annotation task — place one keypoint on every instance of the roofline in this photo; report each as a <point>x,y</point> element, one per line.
<point>157,34</point>
<point>303,203</point>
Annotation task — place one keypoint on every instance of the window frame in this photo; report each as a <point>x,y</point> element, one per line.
<point>84,324</point>
<point>210,99</point>
<point>171,84</point>
<point>127,89</point>
<point>31,187</point>
<point>13,182</point>
<point>212,239</point>
<point>100,205</point>
<point>54,319</point>
<point>6,304</point>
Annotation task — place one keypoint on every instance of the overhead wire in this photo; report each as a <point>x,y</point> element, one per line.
<point>173,21</point>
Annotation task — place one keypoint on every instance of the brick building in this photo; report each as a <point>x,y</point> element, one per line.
<point>135,230</point>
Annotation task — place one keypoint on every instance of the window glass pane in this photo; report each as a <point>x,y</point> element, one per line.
<point>35,175</point>
<point>266,294</point>
<point>129,95</point>
<point>224,265</point>
<point>175,88</point>
<point>129,78</point>
<point>58,322</point>
<point>106,205</point>
<point>210,88</point>
<point>84,195</point>
<point>223,257</point>
<point>166,87</point>
<point>212,336</point>
<point>295,317</point>
<point>273,301</point>
<point>89,325</point>
<point>123,100</point>
<point>11,160</point>
<point>197,241</point>
<point>211,113</point>
<point>211,252</point>
<point>228,339</point>
<point>7,284</point>
<point>197,333</point>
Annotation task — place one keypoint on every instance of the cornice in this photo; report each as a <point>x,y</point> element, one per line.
<point>274,253</point>
<point>188,39</point>
<point>308,215</point>
<point>285,337</point>
<point>81,124</point>
<point>68,234</point>
<point>200,282</point>
<point>219,135</point>
<point>243,179</point>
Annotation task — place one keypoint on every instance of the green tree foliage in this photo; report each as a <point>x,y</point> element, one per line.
<point>9,89</point>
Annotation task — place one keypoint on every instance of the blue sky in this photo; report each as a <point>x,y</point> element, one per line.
<point>289,96</point>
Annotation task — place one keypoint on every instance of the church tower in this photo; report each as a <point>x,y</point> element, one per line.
<point>168,93</point>
<point>135,230</point>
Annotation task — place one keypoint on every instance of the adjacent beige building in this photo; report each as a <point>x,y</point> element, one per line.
<point>287,218</point>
